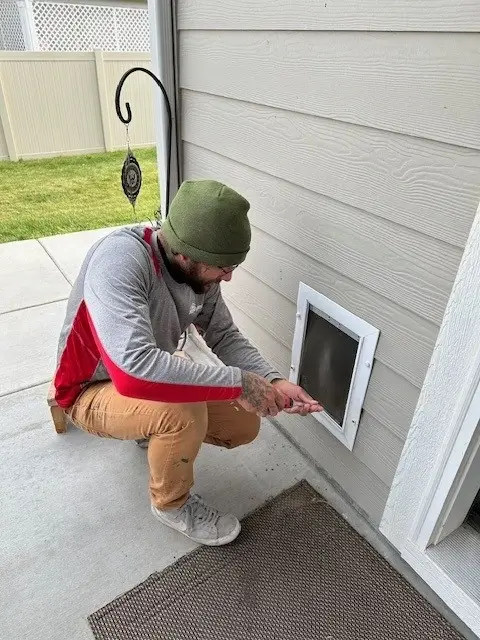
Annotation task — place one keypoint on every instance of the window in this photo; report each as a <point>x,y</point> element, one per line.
<point>473,517</point>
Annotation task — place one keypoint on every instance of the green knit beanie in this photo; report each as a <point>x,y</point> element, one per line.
<point>208,223</point>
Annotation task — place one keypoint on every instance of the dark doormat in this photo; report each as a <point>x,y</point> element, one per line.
<point>298,571</point>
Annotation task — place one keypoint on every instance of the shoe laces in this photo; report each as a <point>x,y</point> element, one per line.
<point>200,512</point>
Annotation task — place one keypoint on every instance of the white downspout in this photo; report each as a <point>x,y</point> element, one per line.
<point>162,34</point>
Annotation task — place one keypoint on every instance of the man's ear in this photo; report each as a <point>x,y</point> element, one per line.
<point>182,259</point>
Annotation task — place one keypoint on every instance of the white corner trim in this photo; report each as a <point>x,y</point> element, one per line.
<point>467,609</point>
<point>442,428</point>
<point>448,504</point>
<point>367,337</point>
<point>447,392</point>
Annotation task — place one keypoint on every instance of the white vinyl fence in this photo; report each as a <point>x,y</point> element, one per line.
<point>64,103</point>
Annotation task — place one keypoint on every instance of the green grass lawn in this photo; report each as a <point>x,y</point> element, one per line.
<point>60,195</point>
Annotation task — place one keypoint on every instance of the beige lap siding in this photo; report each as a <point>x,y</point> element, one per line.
<point>353,130</point>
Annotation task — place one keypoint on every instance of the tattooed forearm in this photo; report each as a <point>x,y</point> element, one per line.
<point>256,390</point>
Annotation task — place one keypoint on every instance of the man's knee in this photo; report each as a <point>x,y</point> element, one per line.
<point>247,432</point>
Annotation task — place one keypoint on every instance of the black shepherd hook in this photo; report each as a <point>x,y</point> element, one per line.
<point>128,119</point>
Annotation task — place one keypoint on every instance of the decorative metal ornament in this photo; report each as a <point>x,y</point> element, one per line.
<point>131,174</point>
<point>131,177</point>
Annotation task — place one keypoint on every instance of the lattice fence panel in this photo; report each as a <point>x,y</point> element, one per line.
<point>133,29</point>
<point>83,27</point>
<point>11,34</point>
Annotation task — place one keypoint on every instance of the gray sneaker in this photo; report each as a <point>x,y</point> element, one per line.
<point>200,522</point>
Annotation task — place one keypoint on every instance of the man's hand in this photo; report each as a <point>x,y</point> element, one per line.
<point>301,402</point>
<point>260,396</point>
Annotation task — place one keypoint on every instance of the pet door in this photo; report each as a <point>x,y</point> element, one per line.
<point>332,358</point>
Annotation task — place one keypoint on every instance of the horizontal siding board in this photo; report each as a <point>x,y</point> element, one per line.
<point>357,480</point>
<point>390,399</point>
<point>349,15</point>
<point>406,340</point>
<point>415,271</point>
<point>271,310</point>
<point>379,447</point>
<point>405,343</point>
<point>376,447</point>
<point>425,85</point>
<point>424,185</point>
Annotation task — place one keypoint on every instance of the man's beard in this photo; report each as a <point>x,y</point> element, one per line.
<point>189,276</point>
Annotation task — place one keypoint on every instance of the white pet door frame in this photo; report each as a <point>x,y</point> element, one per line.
<point>313,306</point>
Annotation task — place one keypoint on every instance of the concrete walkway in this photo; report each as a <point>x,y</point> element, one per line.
<point>76,529</point>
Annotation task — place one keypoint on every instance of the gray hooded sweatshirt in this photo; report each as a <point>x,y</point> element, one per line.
<point>125,317</point>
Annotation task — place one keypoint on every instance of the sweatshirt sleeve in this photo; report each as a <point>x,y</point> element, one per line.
<point>227,342</point>
<point>116,294</point>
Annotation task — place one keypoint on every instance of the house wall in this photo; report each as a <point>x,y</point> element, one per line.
<point>352,128</point>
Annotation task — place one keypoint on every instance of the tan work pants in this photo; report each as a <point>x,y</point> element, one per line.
<point>175,432</point>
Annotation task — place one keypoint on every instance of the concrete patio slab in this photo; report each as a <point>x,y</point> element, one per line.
<point>28,276</point>
<point>76,526</point>
<point>69,250</point>
<point>28,345</point>
<point>24,411</point>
